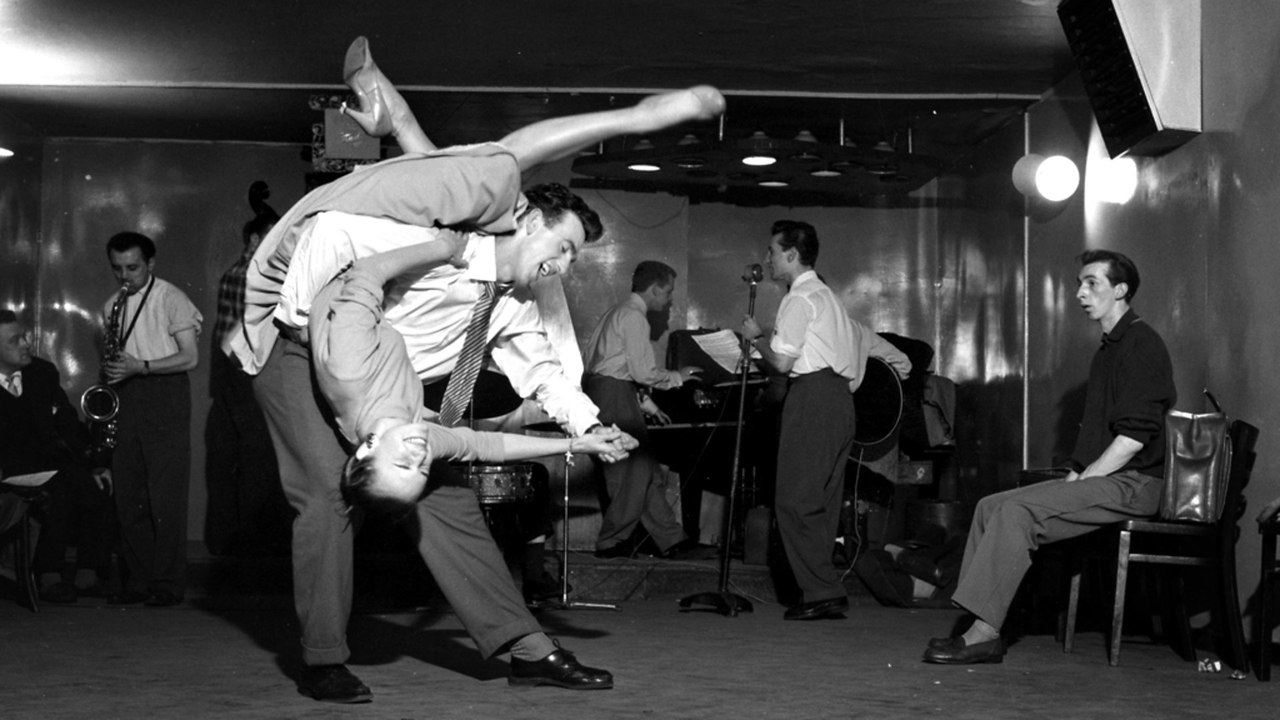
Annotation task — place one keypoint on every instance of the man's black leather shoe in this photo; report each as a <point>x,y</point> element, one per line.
<point>560,669</point>
<point>819,609</point>
<point>961,653</point>
<point>333,683</point>
<point>955,642</point>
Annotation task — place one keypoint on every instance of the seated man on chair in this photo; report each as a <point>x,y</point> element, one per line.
<point>1118,464</point>
<point>42,432</point>
<point>619,365</point>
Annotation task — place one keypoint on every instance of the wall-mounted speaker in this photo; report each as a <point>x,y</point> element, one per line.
<point>1140,62</point>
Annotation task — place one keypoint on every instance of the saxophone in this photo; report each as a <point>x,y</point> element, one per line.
<point>100,403</point>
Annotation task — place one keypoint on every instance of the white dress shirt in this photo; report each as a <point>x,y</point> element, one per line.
<point>12,383</point>
<point>813,328</point>
<point>432,311</point>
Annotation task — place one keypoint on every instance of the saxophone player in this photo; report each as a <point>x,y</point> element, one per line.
<point>156,341</point>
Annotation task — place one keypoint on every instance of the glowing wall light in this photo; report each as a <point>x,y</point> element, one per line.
<point>1111,181</point>
<point>1053,178</point>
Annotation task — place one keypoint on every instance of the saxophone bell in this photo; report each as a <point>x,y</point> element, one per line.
<point>100,403</point>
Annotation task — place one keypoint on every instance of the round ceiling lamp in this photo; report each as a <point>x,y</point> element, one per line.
<point>759,155</point>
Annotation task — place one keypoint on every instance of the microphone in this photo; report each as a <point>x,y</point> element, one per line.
<point>753,274</point>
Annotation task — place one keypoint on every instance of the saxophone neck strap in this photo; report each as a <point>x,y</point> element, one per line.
<point>124,337</point>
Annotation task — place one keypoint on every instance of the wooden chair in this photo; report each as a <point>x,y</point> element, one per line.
<point>1268,528</point>
<point>21,500</point>
<point>1204,545</point>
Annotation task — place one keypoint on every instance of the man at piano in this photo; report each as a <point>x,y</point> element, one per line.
<point>619,370</point>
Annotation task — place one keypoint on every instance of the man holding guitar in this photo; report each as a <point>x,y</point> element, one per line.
<point>823,354</point>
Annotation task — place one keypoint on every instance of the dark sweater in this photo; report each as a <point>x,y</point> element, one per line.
<point>1130,389</point>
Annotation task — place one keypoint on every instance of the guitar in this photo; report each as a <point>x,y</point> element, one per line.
<point>877,403</point>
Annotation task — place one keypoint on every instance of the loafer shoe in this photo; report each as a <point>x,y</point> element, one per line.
<point>162,599</point>
<point>560,669</point>
<point>952,643</point>
<point>127,597</point>
<point>961,653</point>
<point>333,683</point>
<point>62,593</point>
<point>833,608</point>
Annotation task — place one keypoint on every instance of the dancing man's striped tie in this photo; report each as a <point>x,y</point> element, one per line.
<point>457,394</point>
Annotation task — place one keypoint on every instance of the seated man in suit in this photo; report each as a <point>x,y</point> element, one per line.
<point>42,431</point>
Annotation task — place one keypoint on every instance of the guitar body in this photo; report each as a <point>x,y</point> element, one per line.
<point>877,403</point>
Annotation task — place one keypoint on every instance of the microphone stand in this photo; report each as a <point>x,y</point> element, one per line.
<point>565,603</point>
<point>723,601</point>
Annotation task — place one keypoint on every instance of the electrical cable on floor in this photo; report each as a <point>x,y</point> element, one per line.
<point>857,529</point>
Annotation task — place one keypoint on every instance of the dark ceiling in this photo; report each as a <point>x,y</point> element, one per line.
<point>939,75</point>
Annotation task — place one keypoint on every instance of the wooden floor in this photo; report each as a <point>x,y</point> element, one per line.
<point>223,656</point>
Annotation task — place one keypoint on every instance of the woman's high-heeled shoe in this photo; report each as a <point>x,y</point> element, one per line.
<point>364,78</point>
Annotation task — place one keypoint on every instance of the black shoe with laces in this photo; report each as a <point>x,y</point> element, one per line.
<point>560,669</point>
<point>333,683</point>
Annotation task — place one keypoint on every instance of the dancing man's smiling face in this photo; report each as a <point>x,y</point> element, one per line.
<point>548,247</point>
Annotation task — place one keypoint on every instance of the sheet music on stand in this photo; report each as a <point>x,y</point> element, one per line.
<point>724,347</point>
<point>35,479</point>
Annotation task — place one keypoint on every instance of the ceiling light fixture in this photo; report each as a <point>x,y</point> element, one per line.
<point>643,146</point>
<point>759,155</point>
<point>800,169</point>
<point>805,155</point>
<point>5,153</point>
